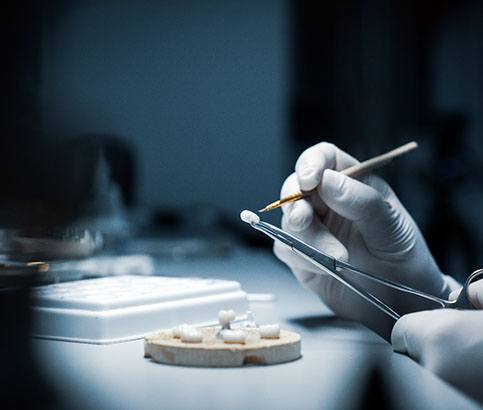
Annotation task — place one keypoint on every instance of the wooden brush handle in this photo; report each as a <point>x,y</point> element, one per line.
<point>353,171</point>
<point>378,161</point>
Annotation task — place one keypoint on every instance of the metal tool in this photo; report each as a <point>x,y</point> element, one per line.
<point>333,266</point>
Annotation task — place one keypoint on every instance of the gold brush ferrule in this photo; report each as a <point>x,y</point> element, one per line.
<point>277,204</point>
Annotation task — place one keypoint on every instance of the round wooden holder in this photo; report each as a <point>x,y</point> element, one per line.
<point>162,347</point>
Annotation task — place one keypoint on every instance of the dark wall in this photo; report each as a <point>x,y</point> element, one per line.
<point>196,89</point>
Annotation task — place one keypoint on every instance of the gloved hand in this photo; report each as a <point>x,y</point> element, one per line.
<point>360,222</point>
<point>448,342</point>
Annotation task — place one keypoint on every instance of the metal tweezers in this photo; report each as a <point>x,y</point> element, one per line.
<point>333,266</point>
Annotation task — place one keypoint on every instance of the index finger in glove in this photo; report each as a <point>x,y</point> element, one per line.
<point>297,215</point>
<point>315,160</point>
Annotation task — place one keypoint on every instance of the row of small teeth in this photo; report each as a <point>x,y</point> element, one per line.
<point>190,334</point>
<point>239,336</point>
<point>187,333</point>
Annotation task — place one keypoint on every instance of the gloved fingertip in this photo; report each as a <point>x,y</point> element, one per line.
<point>287,207</point>
<point>289,186</point>
<point>398,336</point>
<point>281,251</point>
<point>308,177</point>
<point>337,250</point>
<point>333,183</point>
<point>300,217</point>
<point>454,294</point>
<point>475,294</point>
<point>305,277</point>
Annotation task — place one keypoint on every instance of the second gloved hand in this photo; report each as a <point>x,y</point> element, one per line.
<point>446,341</point>
<point>362,222</point>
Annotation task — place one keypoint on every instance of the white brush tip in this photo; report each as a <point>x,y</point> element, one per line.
<point>249,217</point>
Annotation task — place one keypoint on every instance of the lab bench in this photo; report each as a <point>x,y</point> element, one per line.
<point>336,371</point>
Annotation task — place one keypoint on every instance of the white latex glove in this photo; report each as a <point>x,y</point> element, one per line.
<point>363,223</point>
<point>446,341</point>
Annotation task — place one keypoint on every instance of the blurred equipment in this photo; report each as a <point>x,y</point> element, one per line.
<point>116,309</point>
<point>49,244</point>
<point>44,273</point>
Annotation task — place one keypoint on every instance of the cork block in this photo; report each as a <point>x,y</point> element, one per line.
<point>163,347</point>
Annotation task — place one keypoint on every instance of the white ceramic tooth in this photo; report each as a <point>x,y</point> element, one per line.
<point>191,335</point>
<point>249,217</point>
<point>269,331</point>
<point>234,336</point>
<point>176,331</point>
<point>226,316</point>
<point>231,314</point>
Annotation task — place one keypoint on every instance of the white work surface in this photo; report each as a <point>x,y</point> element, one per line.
<point>331,374</point>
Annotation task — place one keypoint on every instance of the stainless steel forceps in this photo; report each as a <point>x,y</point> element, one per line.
<point>333,265</point>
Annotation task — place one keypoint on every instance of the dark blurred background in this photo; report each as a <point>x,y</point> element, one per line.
<point>156,122</point>
<point>177,106</point>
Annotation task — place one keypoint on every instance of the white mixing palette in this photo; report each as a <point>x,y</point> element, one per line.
<point>121,308</point>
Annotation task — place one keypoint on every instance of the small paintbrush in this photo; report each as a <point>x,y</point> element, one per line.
<point>353,171</point>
